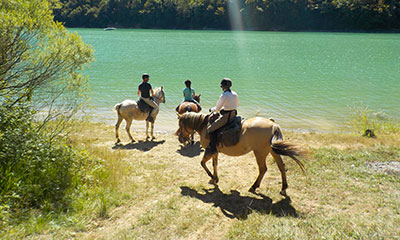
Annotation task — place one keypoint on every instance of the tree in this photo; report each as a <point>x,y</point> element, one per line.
<point>40,60</point>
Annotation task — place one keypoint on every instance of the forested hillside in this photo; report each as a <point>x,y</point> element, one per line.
<point>333,15</point>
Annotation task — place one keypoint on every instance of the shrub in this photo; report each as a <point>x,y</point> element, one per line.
<point>35,171</point>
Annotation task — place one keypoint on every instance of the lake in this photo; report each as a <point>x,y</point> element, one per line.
<point>305,81</point>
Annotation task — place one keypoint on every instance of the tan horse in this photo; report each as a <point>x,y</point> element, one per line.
<point>189,107</point>
<point>260,135</point>
<point>129,110</point>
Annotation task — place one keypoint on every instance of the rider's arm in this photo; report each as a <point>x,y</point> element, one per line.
<point>138,93</point>
<point>152,93</point>
<point>220,104</point>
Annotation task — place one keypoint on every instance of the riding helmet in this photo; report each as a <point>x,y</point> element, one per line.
<point>145,75</point>
<point>226,82</point>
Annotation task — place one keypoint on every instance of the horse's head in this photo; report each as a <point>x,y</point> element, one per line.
<point>197,98</point>
<point>184,132</point>
<point>159,94</point>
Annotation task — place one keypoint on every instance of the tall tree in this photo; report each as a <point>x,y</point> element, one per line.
<point>40,60</point>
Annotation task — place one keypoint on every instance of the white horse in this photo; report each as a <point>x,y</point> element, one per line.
<point>129,110</point>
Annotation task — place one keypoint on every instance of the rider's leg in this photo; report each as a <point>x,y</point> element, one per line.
<point>221,121</point>
<point>155,107</point>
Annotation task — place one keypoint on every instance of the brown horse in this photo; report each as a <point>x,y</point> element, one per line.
<point>260,135</point>
<point>189,107</point>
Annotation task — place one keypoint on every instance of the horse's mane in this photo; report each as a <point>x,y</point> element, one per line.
<point>194,120</point>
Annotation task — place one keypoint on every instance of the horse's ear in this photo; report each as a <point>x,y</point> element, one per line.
<point>199,95</point>
<point>162,88</point>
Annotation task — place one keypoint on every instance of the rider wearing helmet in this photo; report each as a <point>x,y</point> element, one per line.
<point>144,91</point>
<point>226,105</point>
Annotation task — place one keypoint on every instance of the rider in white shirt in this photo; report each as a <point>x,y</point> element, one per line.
<point>227,104</point>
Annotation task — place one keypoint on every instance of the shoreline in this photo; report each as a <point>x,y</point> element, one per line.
<point>163,126</point>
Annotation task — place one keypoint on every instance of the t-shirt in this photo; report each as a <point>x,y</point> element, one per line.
<point>144,88</point>
<point>188,94</point>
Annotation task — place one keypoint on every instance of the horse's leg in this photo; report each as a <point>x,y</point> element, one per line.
<point>206,157</point>
<point>262,169</point>
<point>215,165</point>
<point>281,166</point>
<point>147,130</point>
<point>192,139</point>
<point>152,130</point>
<point>117,127</point>
<point>128,127</point>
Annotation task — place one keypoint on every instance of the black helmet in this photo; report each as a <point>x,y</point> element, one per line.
<point>145,75</point>
<point>226,82</point>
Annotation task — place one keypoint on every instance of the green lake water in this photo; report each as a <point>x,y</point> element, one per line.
<point>305,81</point>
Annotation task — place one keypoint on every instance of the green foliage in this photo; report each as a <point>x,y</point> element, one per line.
<point>40,83</point>
<point>40,60</point>
<point>255,14</point>
<point>34,171</point>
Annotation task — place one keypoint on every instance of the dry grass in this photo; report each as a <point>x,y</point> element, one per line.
<point>164,192</point>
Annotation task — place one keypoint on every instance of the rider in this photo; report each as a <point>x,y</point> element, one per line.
<point>144,91</point>
<point>226,105</point>
<point>188,94</point>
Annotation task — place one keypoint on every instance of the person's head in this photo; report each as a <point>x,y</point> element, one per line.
<point>188,83</point>
<point>145,77</point>
<point>226,83</point>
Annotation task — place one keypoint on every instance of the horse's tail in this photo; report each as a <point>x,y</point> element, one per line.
<point>189,108</point>
<point>117,107</point>
<point>279,146</point>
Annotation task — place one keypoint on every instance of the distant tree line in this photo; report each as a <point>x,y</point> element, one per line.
<point>352,15</point>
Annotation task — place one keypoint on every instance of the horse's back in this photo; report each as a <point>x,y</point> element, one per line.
<point>129,109</point>
<point>187,107</point>
<point>258,131</point>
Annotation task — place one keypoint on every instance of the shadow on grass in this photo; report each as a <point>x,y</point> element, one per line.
<point>143,146</point>
<point>235,206</point>
<point>190,151</point>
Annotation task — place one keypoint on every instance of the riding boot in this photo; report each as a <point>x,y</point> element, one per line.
<point>150,118</point>
<point>212,146</point>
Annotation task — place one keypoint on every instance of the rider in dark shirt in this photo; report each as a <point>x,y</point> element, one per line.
<point>144,91</point>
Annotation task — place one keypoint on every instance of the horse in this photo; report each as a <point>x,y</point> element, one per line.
<point>260,135</point>
<point>189,107</point>
<point>129,110</point>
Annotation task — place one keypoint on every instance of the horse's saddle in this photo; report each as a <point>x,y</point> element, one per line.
<point>144,107</point>
<point>229,134</point>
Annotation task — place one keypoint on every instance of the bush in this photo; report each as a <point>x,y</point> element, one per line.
<point>35,171</point>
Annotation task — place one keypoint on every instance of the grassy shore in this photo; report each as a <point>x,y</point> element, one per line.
<point>157,189</point>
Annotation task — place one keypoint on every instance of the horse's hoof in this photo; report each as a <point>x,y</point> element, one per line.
<point>283,193</point>
<point>192,142</point>
<point>118,141</point>
<point>133,141</point>
<point>252,190</point>
<point>213,181</point>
